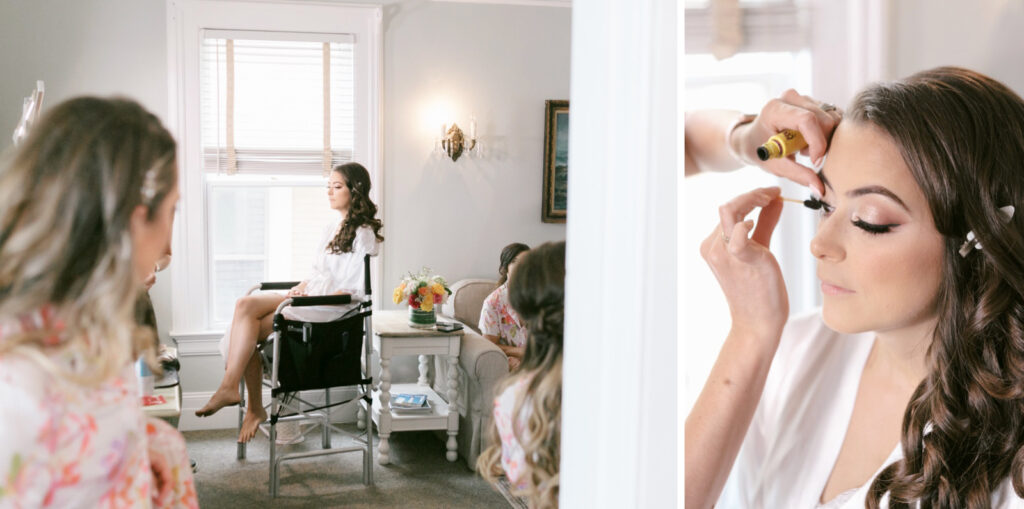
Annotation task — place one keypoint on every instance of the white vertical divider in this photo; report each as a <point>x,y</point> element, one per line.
<point>620,428</point>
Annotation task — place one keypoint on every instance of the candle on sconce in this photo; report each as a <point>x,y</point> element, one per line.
<point>444,130</point>
<point>472,127</point>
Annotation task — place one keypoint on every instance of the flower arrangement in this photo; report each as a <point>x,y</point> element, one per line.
<point>422,291</point>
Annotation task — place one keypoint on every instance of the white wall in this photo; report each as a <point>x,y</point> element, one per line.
<point>500,62</point>
<point>986,36</point>
<point>98,47</point>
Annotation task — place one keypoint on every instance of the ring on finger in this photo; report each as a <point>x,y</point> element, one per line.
<point>828,107</point>
<point>725,238</point>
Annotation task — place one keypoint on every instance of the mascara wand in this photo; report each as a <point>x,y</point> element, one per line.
<point>813,204</point>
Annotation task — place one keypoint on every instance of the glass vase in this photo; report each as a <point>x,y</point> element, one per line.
<point>420,319</point>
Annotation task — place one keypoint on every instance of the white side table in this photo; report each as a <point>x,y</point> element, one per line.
<point>392,336</point>
<point>169,411</point>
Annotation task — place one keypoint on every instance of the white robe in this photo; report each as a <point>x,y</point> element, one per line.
<point>801,421</point>
<point>332,273</point>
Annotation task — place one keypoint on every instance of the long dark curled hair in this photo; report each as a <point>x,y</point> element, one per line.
<point>361,209</point>
<point>508,255</point>
<point>962,136</point>
<point>537,293</point>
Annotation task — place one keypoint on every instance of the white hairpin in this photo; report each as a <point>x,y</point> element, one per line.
<point>972,242</point>
<point>149,185</point>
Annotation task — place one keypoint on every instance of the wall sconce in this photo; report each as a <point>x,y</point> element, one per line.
<point>454,142</point>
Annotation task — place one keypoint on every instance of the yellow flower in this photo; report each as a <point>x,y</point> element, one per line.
<point>427,305</point>
<point>398,295</point>
<point>437,288</point>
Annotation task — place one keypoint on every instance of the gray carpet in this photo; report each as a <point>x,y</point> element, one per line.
<point>418,476</point>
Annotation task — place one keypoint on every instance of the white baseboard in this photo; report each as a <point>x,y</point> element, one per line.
<point>227,418</point>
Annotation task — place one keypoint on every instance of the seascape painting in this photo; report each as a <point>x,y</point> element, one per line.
<point>556,161</point>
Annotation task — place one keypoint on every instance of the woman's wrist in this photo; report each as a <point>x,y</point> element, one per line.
<point>759,342</point>
<point>735,138</point>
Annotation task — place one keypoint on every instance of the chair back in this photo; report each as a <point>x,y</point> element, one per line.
<point>320,355</point>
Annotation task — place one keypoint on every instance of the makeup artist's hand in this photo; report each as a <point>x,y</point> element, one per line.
<point>746,270</point>
<point>789,111</point>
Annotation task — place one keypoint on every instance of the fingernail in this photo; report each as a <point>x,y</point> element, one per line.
<point>817,162</point>
<point>749,223</point>
<point>814,192</point>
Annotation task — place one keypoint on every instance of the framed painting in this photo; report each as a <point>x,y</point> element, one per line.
<point>556,161</point>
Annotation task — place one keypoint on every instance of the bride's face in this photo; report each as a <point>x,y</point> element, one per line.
<point>879,254</point>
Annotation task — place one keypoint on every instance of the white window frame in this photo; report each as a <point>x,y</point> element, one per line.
<point>186,19</point>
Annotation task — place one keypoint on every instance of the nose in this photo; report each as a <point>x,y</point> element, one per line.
<point>826,244</point>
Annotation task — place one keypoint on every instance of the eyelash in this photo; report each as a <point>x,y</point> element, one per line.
<point>873,229</point>
<point>870,228</point>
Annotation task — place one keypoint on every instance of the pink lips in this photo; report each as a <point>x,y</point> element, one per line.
<point>830,289</point>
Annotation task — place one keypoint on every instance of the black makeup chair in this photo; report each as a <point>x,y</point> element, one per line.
<point>302,360</point>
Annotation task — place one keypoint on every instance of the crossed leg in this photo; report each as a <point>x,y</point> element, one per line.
<point>252,321</point>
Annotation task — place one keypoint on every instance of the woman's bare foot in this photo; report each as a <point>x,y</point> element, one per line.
<point>251,423</point>
<point>220,399</point>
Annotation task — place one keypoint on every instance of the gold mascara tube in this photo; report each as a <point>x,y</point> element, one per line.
<point>784,144</point>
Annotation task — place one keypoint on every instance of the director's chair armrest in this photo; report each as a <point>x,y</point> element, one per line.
<point>321,300</point>
<point>278,285</point>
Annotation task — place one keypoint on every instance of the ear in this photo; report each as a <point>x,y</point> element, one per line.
<point>138,221</point>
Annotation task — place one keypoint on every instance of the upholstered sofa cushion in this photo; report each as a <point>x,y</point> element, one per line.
<point>467,300</point>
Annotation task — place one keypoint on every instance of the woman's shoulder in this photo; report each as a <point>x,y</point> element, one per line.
<point>365,240</point>
<point>22,385</point>
<point>497,297</point>
<point>1005,497</point>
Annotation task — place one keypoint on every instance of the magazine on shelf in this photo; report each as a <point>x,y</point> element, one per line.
<point>408,400</point>
<point>410,403</point>
<point>425,409</point>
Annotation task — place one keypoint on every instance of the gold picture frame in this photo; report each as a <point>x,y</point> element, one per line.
<point>556,161</point>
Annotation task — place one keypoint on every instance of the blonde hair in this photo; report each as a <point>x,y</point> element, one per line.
<point>66,198</point>
<point>536,292</point>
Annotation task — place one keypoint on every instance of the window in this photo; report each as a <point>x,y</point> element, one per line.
<point>261,230</point>
<point>766,65</point>
<point>281,102</point>
<point>277,113</point>
<point>266,96</point>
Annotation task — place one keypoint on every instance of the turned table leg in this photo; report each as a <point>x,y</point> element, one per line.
<point>424,369</point>
<point>453,408</point>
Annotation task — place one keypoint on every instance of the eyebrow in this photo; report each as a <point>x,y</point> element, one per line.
<point>861,191</point>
